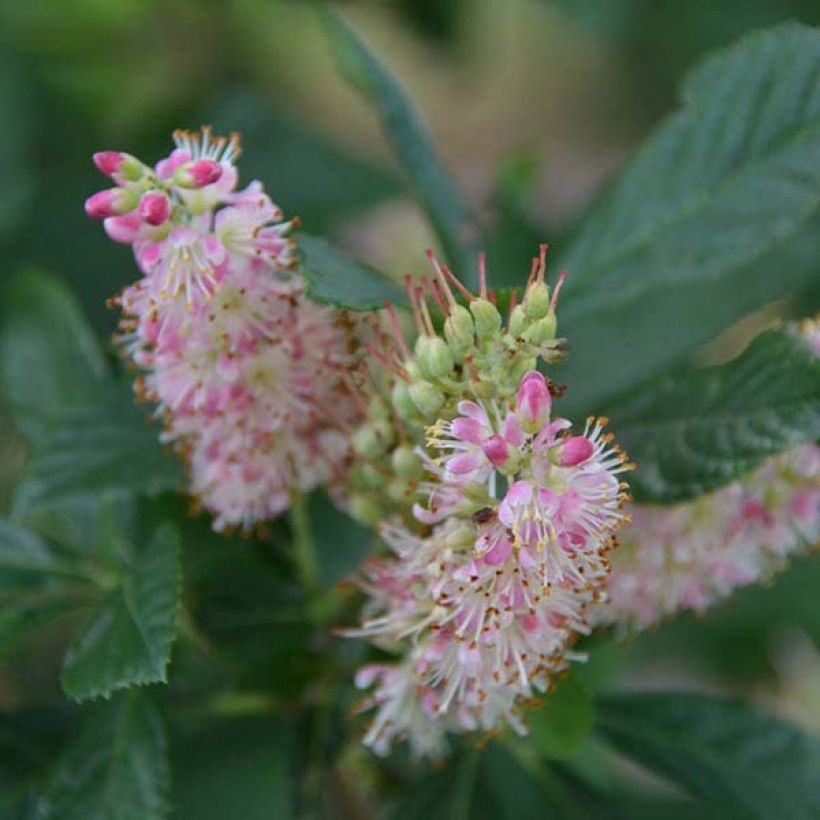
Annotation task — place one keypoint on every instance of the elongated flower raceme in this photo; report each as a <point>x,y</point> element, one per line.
<point>506,553</point>
<point>692,556</point>
<point>245,370</point>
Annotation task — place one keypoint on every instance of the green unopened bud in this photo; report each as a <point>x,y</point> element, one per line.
<point>420,349</point>
<point>485,389</point>
<point>399,491</point>
<point>365,510</point>
<point>537,300</point>
<point>406,462</point>
<point>520,366</point>
<point>439,358</point>
<point>541,331</point>
<point>426,398</point>
<point>518,322</point>
<point>402,403</point>
<point>413,369</point>
<point>370,476</point>
<point>386,430</point>
<point>459,330</point>
<point>487,319</point>
<point>367,442</point>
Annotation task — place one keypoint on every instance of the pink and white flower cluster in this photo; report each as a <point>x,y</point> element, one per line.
<point>485,604</point>
<point>692,556</point>
<point>245,370</point>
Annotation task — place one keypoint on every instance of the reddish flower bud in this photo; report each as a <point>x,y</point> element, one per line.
<point>574,451</point>
<point>533,402</point>
<point>154,208</point>
<point>112,202</point>
<point>198,174</point>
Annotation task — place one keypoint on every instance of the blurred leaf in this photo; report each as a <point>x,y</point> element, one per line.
<point>560,727</point>
<point>745,763</point>
<point>128,640</point>
<point>103,446</point>
<point>38,582</point>
<point>49,358</point>
<point>22,553</point>
<point>234,768</point>
<point>16,155</point>
<point>711,219</point>
<point>307,175</point>
<point>336,279</point>
<point>457,230</point>
<point>489,784</point>
<point>696,430</point>
<point>117,769</point>
<point>341,543</point>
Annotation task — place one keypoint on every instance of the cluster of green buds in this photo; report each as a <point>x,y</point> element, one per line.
<point>465,347</point>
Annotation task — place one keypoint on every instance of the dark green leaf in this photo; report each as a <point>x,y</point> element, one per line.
<point>237,768</point>
<point>693,431</point>
<point>336,279</point>
<point>743,762</point>
<point>456,228</point>
<point>49,357</point>
<point>105,445</point>
<point>717,214</point>
<point>560,727</point>
<point>24,553</point>
<point>16,154</point>
<point>310,178</point>
<point>341,543</point>
<point>117,769</point>
<point>128,640</point>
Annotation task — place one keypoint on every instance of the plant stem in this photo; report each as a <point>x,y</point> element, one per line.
<point>304,549</point>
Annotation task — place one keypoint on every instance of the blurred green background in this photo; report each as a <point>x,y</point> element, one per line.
<point>533,104</point>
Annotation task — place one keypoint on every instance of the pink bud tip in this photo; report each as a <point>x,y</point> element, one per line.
<point>108,162</point>
<point>533,401</point>
<point>204,172</point>
<point>497,450</point>
<point>154,208</point>
<point>575,450</point>
<point>102,204</point>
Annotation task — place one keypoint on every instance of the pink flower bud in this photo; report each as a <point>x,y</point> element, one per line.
<point>533,402</point>
<point>574,451</point>
<point>112,202</point>
<point>119,166</point>
<point>108,162</point>
<point>198,174</point>
<point>155,208</point>
<point>497,450</point>
<point>125,229</point>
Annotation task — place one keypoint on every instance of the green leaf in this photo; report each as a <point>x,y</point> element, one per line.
<point>341,543</point>
<point>16,148</point>
<point>234,768</point>
<point>117,769</point>
<point>745,763</point>
<point>717,215</point>
<point>128,640</point>
<point>104,446</point>
<point>49,357</point>
<point>23,554</point>
<point>336,279</point>
<point>314,179</point>
<point>560,727</point>
<point>456,228</point>
<point>696,430</point>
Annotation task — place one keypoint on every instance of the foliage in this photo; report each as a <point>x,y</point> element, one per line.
<point>221,649</point>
